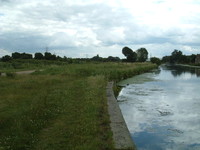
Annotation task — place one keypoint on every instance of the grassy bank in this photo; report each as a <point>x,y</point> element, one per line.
<point>61,107</point>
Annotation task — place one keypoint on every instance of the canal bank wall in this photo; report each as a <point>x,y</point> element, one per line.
<point>121,135</point>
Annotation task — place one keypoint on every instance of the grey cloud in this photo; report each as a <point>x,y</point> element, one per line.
<point>23,42</point>
<point>99,18</point>
<point>63,25</point>
<point>4,1</point>
<point>31,42</point>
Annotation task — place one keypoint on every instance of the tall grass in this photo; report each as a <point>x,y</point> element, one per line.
<point>21,64</point>
<point>61,107</point>
<point>111,71</point>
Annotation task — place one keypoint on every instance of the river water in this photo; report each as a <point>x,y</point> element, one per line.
<point>162,108</point>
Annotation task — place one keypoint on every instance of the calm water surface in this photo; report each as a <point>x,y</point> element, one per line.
<point>162,109</point>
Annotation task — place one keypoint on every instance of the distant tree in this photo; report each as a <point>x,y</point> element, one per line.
<point>39,56</point>
<point>184,59</point>
<point>166,59</point>
<point>49,56</point>
<point>155,60</point>
<point>16,55</point>
<point>59,58</point>
<point>65,58</point>
<point>53,57</point>
<point>97,58</point>
<point>113,59</point>
<point>142,55</point>
<point>70,60</point>
<point>26,56</point>
<point>192,58</point>
<point>176,56</point>
<point>131,56</point>
<point>127,51</point>
<point>6,58</point>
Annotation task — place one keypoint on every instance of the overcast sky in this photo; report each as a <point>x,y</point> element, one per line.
<point>84,28</point>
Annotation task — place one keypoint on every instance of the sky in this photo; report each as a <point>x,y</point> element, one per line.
<point>85,28</point>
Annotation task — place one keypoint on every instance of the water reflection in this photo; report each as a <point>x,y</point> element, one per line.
<point>163,113</point>
<point>178,70</point>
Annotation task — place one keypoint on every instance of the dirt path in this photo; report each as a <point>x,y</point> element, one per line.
<point>25,72</point>
<point>21,72</point>
<point>121,135</point>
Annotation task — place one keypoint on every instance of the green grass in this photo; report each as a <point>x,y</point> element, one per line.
<point>32,64</point>
<point>61,107</point>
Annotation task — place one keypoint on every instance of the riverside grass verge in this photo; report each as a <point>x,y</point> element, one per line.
<point>61,107</point>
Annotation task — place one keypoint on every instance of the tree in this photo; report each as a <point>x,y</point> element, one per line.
<point>39,56</point>
<point>49,56</point>
<point>113,59</point>
<point>127,51</point>
<point>130,55</point>
<point>176,56</point>
<point>192,58</point>
<point>26,56</point>
<point>155,60</point>
<point>184,59</point>
<point>142,54</point>
<point>97,58</point>
<point>16,55</point>
<point>6,58</point>
<point>166,59</point>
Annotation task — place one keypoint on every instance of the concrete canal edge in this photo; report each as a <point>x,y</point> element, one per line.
<point>121,135</point>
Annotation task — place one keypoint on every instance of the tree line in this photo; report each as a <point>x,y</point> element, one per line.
<point>17,55</point>
<point>49,56</point>
<point>177,56</point>
<point>140,55</point>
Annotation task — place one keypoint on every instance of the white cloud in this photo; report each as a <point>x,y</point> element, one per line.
<point>86,26</point>
<point>4,52</point>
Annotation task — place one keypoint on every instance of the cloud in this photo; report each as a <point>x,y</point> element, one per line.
<point>4,52</point>
<point>3,1</point>
<point>98,25</point>
<point>20,41</point>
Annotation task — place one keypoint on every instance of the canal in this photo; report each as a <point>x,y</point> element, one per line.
<point>162,108</point>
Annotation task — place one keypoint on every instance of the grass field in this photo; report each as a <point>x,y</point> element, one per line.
<point>61,107</point>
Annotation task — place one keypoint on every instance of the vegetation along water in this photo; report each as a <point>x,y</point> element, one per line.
<point>60,106</point>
